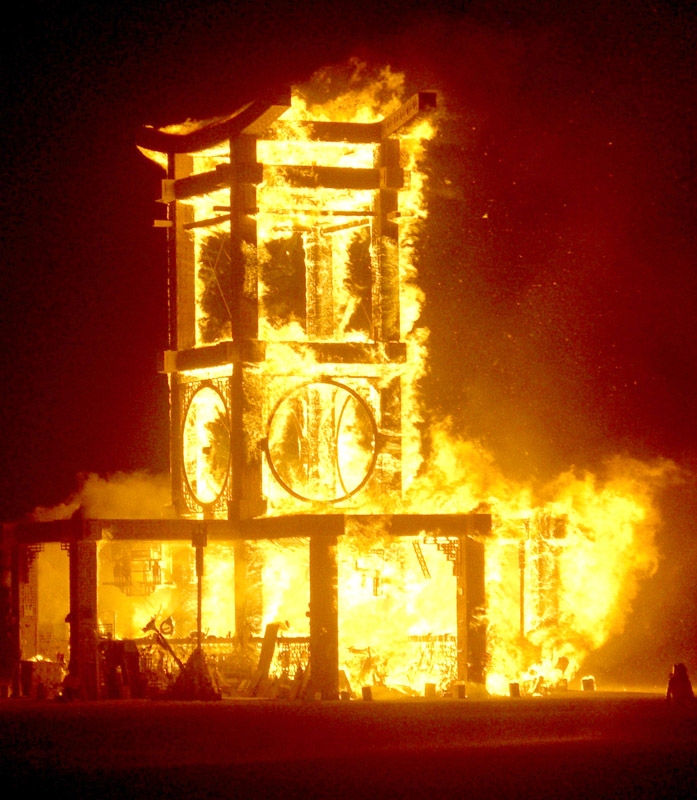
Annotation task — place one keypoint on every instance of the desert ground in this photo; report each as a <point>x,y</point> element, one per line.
<point>575,745</point>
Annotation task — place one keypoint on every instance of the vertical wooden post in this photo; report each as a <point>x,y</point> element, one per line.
<point>84,655</point>
<point>10,650</point>
<point>199,542</point>
<point>324,618</point>
<point>521,588</point>
<point>385,298</point>
<point>182,313</point>
<point>241,588</point>
<point>461,608</point>
<point>247,498</point>
<point>471,607</point>
<point>476,607</point>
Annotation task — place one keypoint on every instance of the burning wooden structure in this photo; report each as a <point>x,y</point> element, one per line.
<point>289,370</point>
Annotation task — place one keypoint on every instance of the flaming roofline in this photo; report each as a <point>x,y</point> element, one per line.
<point>256,117</point>
<point>253,118</point>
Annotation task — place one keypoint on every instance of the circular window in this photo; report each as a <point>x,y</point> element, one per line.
<point>206,445</point>
<point>322,442</point>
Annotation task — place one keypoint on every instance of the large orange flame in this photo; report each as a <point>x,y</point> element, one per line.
<point>564,559</point>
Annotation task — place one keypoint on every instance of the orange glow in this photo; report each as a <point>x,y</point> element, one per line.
<point>564,559</point>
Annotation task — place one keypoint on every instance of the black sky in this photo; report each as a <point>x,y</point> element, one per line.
<point>559,260</point>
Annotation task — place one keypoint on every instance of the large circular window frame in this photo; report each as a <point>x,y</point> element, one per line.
<point>353,394</point>
<point>207,384</point>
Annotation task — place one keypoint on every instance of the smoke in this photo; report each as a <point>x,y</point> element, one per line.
<point>555,259</point>
<point>119,496</point>
<point>557,265</point>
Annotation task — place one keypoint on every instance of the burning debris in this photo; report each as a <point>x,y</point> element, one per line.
<point>307,547</point>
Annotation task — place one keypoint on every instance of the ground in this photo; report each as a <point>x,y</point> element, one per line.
<point>573,746</point>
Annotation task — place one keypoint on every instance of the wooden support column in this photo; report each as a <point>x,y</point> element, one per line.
<point>242,631</point>
<point>248,596</point>
<point>385,292</point>
<point>10,650</point>
<point>476,607</point>
<point>461,607</point>
<point>182,259</point>
<point>176,461</point>
<point>84,639</point>
<point>242,297</point>
<point>237,439</point>
<point>182,308</point>
<point>319,288</point>
<point>324,618</point>
<point>246,173</point>
<point>470,606</point>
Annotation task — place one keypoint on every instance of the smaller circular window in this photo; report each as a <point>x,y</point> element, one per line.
<point>206,445</point>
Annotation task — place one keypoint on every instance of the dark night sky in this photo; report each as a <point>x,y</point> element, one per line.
<point>561,249</point>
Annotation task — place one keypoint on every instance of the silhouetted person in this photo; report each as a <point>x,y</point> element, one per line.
<point>679,687</point>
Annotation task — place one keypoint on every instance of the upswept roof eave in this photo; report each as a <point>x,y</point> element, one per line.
<point>252,118</point>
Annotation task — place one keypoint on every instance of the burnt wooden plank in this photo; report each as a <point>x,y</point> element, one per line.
<point>296,526</point>
<point>315,177</point>
<point>223,176</point>
<point>268,647</point>
<point>421,101</point>
<point>319,131</point>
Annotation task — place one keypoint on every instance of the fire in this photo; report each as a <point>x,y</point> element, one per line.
<point>396,630</point>
<point>564,559</point>
<point>564,564</point>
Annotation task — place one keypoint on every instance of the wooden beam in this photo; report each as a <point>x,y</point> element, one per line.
<point>349,132</point>
<point>290,526</point>
<point>415,105</point>
<point>254,118</point>
<point>354,132</point>
<point>268,647</point>
<point>354,178</point>
<point>262,117</point>
<point>221,177</point>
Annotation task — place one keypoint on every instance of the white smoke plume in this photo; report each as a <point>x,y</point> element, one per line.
<point>136,495</point>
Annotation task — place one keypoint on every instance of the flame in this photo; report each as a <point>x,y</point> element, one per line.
<point>395,629</point>
<point>145,580</point>
<point>578,546</point>
<point>564,559</point>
